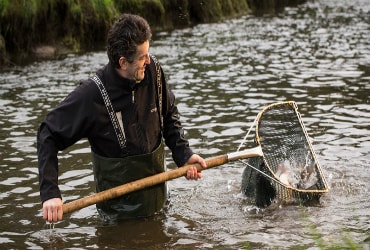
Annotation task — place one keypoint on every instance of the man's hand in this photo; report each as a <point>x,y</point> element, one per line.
<point>53,210</point>
<point>193,173</point>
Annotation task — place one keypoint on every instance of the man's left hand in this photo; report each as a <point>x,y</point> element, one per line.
<point>193,173</point>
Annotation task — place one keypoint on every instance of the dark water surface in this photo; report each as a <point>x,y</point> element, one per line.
<point>317,54</point>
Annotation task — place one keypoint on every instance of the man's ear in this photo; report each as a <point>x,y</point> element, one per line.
<point>123,63</point>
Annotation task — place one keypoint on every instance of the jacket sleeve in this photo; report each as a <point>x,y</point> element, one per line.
<point>61,128</point>
<point>173,130</point>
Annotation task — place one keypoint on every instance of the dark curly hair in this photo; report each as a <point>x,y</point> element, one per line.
<point>126,34</point>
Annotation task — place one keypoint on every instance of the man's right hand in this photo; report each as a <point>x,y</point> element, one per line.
<point>53,210</point>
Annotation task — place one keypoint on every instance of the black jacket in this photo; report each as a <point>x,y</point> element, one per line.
<point>82,114</point>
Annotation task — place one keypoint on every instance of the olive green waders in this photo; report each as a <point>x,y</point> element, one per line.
<point>111,172</point>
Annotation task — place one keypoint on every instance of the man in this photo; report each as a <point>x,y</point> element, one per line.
<point>127,141</point>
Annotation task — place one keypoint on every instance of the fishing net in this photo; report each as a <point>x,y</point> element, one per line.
<point>288,169</point>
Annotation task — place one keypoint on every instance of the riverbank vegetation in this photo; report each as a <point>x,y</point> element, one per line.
<point>32,29</point>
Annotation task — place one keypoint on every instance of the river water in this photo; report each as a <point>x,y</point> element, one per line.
<point>223,74</point>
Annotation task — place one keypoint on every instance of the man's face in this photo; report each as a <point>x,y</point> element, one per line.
<point>136,69</point>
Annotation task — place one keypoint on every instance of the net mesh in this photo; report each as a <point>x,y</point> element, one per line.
<point>288,155</point>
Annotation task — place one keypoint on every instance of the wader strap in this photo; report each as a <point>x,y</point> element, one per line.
<point>159,85</point>
<point>112,115</point>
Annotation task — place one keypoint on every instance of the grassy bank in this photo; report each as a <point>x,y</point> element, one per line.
<point>30,29</point>
<point>63,24</point>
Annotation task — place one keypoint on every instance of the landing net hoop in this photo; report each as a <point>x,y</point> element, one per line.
<point>290,162</point>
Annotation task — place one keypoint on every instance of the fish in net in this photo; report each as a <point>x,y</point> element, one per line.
<point>288,168</point>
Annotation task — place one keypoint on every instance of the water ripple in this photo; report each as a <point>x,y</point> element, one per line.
<point>223,74</point>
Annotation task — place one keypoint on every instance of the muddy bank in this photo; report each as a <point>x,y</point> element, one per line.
<point>49,29</point>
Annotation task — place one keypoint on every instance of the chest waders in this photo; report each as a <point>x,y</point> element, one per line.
<point>111,172</point>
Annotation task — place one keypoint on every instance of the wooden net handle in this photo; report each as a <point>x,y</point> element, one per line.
<point>155,179</point>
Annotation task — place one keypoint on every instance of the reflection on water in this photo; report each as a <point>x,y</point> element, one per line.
<point>317,54</point>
